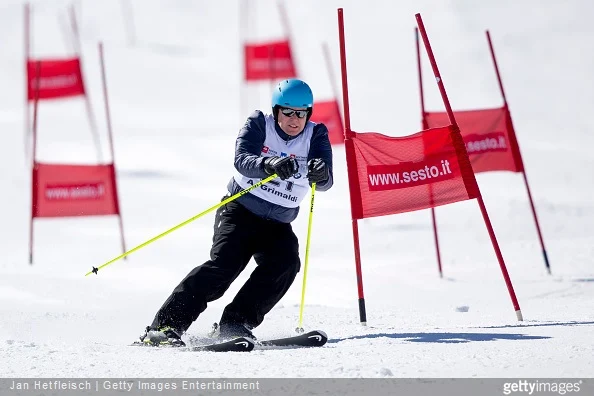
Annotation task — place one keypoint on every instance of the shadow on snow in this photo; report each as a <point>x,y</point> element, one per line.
<point>446,338</point>
<point>538,324</point>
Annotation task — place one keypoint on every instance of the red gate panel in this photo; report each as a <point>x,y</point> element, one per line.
<point>57,78</point>
<point>404,174</point>
<point>269,61</point>
<point>328,114</point>
<point>74,190</point>
<point>489,138</point>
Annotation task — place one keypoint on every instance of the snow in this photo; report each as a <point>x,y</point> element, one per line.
<point>175,100</point>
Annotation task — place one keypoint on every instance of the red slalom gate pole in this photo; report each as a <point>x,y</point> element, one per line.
<point>33,159</point>
<point>111,149</point>
<point>425,127</point>
<point>541,239</point>
<point>351,168</point>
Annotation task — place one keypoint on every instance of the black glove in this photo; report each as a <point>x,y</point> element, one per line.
<point>284,167</point>
<point>317,171</point>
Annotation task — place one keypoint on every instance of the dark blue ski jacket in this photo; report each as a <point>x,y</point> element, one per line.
<point>249,163</point>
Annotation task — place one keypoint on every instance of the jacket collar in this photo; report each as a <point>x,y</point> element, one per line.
<point>282,133</point>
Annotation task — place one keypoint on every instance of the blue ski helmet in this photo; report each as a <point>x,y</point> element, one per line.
<point>292,93</point>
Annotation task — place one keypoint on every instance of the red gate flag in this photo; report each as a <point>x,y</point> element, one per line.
<point>60,190</point>
<point>490,141</point>
<point>389,175</point>
<point>74,190</point>
<point>269,61</point>
<point>57,78</point>
<point>328,113</point>
<point>489,137</point>
<point>404,174</point>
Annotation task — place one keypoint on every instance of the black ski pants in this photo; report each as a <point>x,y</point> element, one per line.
<point>239,235</point>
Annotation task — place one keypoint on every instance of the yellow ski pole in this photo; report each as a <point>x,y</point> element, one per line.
<point>299,328</point>
<point>95,270</point>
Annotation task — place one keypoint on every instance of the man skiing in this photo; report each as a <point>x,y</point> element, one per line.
<point>257,224</point>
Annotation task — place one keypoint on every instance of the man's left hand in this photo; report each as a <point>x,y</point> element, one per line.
<point>317,171</point>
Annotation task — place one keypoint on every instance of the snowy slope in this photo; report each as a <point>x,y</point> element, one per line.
<point>175,101</point>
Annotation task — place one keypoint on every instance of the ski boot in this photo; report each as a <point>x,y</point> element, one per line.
<point>163,336</point>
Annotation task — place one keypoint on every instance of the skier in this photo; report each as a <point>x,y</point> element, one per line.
<point>257,224</point>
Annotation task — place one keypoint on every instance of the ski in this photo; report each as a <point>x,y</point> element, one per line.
<point>315,338</point>
<point>239,344</point>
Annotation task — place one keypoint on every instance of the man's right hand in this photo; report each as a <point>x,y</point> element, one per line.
<point>284,167</point>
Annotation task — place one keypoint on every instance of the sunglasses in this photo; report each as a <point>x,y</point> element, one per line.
<point>290,112</point>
